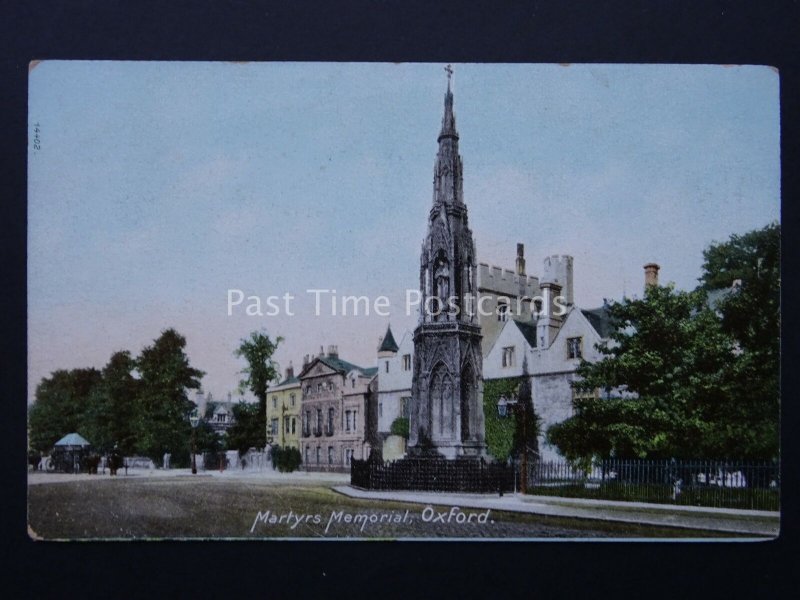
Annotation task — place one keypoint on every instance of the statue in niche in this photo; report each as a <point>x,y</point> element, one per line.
<point>441,274</point>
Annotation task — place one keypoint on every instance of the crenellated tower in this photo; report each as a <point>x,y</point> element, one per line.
<point>447,392</point>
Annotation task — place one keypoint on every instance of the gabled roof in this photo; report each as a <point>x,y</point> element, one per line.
<point>341,366</point>
<point>388,344</point>
<point>528,331</point>
<point>600,319</point>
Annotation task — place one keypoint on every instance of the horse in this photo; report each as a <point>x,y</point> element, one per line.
<point>90,463</point>
<point>115,461</point>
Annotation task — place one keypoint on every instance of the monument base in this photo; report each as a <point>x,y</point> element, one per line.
<point>428,470</point>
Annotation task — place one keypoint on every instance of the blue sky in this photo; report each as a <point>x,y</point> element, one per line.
<point>159,186</point>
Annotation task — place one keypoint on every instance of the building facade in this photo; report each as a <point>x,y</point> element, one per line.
<point>551,367</point>
<point>283,411</point>
<point>336,398</point>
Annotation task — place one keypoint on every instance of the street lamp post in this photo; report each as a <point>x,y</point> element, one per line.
<point>194,420</point>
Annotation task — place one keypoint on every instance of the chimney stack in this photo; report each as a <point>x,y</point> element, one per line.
<point>651,274</point>
<point>289,371</point>
<point>333,351</point>
<point>321,351</point>
<point>521,259</point>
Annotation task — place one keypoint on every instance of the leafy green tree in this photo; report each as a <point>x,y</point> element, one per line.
<point>261,369</point>
<point>162,408</point>
<point>668,360</point>
<point>60,406</point>
<point>527,424</point>
<point>697,373</point>
<point>751,315</point>
<point>110,413</point>
<point>247,430</point>
<point>206,439</point>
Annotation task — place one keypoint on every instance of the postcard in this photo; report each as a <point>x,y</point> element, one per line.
<point>337,301</point>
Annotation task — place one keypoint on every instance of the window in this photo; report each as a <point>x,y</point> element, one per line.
<point>319,388</point>
<point>294,423</point>
<point>537,306</point>
<point>318,454</point>
<point>508,357</point>
<point>274,402</point>
<point>353,381</point>
<point>330,455</point>
<point>405,406</point>
<point>406,362</point>
<point>306,457</point>
<point>380,409</point>
<point>355,422</point>
<point>330,386</point>
<point>286,424</point>
<point>274,427</point>
<point>502,310</point>
<point>291,399</point>
<point>330,421</point>
<point>348,420</point>
<point>386,364</point>
<point>574,347</point>
<point>348,456</point>
<point>307,423</point>
<point>318,428</point>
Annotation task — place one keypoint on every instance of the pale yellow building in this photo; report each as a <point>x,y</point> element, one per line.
<point>283,412</point>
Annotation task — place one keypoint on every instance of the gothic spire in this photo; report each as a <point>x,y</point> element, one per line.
<point>449,119</point>
<point>447,184</point>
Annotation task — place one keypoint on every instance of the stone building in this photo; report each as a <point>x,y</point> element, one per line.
<point>446,414</point>
<point>394,390</point>
<point>552,365</point>
<point>283,411</point>
<point>336,400</point>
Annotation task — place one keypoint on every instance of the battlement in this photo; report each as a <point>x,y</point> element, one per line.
<point>505,281</point>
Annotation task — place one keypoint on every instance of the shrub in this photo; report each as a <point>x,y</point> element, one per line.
<point>286,459</point>
<point>400,427</point>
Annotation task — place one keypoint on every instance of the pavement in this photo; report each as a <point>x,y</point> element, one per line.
<point>762,524</point>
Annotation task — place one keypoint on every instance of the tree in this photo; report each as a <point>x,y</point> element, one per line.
<point>247,430</point>
<point>261,370</point>
<point>696,374</point>
<point>162,420</point>
<point>751,315</point>
<point>110,414</point>
<point>60,406</point>
<point>667,361</point>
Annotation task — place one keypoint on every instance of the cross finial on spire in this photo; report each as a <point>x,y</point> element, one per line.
<point>449,70</point>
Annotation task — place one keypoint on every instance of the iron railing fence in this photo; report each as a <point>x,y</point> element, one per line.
<point>433,475</point>
<point>716,483</point>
